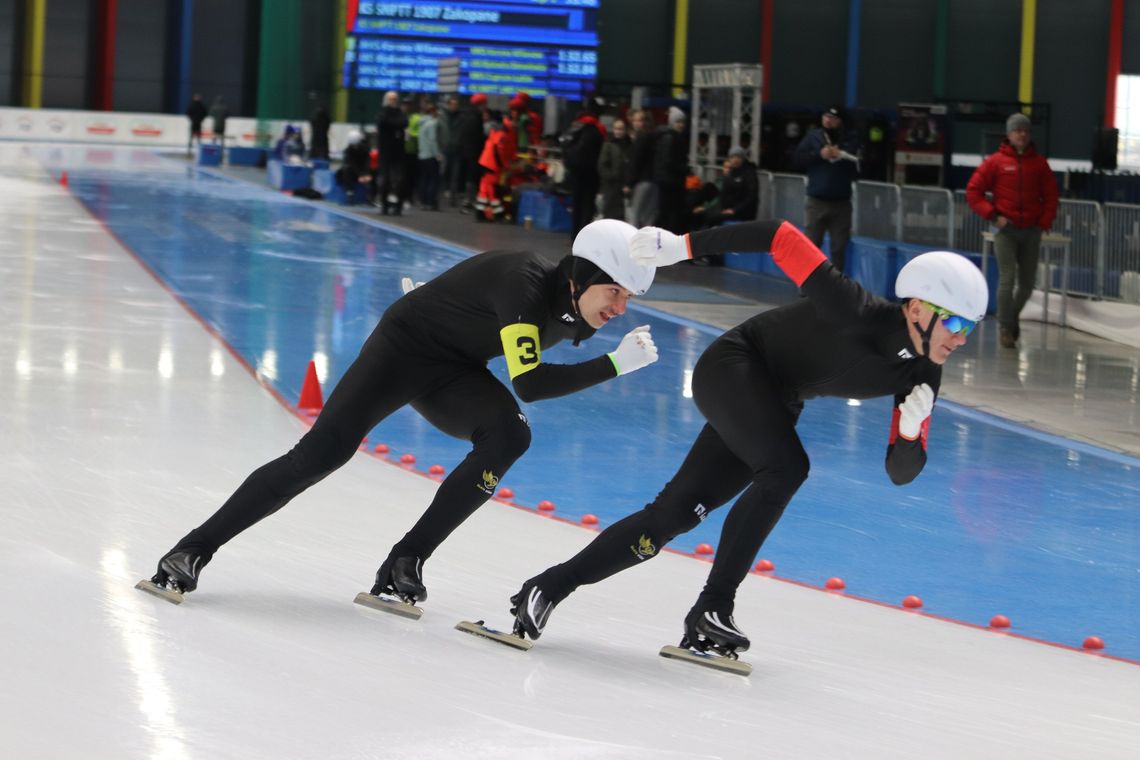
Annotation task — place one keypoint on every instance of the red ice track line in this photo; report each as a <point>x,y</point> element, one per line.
<point>305,418</point>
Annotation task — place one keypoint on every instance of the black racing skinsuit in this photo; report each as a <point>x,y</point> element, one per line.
<point>750,385</point>
<point>431,350</point>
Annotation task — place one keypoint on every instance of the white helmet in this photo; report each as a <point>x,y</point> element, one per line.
<point>605,243</point>
<point>945,279</point>
<point>355,136</point>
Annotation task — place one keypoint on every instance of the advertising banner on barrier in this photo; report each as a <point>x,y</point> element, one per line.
<point>93,126</point>
<point>143,129</point>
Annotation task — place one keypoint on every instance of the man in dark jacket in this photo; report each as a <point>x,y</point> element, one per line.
<point>581,148</point>
<point>643,202</point>
<point>196,113</point>
<point>829,156</point>
<point>450,141</point>
<point>670,154</point>
<point>390,143</point>
<point>1024,205</point>
<point>319,124</point>
<point>472,136</point>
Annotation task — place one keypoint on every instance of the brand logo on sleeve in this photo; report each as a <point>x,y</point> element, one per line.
<point>905,354</point>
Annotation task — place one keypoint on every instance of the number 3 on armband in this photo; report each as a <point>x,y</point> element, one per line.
<point>527,350</point>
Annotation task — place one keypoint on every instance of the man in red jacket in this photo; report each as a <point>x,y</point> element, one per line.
<point>1024,205</point>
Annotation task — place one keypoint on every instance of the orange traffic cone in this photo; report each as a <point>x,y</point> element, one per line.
<point>311,399</point>
<point>63,179</point>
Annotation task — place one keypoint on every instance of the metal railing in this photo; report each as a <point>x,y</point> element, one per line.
<point>927,216</point>
<point>968,226</point>
<point>788,193</point>
<point>1083,223</point>
<point>1119,256</point>
<point>877,207</point>
<point>1104,255</point>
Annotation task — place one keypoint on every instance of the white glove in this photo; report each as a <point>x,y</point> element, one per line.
<point>655,247</point>
<point>915,410</point>
<point>408,286</point>
<point>635,351</point>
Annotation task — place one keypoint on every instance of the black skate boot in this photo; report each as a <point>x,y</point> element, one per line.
<point>401,577</point>
<point>531,608</point>
<point>178,571</point>
<point>709,627</point>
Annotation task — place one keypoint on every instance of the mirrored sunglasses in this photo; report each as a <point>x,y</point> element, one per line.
<point>955,323</point>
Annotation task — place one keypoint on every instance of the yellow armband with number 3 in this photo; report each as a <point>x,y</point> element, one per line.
<point>520,348</point>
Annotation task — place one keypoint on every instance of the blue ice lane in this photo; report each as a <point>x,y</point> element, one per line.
<point>999,522</point>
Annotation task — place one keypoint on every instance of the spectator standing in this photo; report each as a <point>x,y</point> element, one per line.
<point>408,187</point>
<point>613,171</point>
<point>669,168</point>
<point>196,113</point>
<point>390,143</point>
<point>829,156</point>
<point>1024,206</point>
<point>643,201</point>
<point>319,124</point>
<point>429,157</point>
<point>581,148</point>
<point>219,112</point>
<point>454,170</point>
<point>471,139</point>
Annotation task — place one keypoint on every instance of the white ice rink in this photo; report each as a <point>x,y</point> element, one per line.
<point>126,423</point>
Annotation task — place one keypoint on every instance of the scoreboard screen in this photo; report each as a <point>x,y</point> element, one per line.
<point>545,47</point>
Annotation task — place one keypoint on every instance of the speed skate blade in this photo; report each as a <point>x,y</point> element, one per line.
<point>393,606</point>
<point>715,661</point>
<point>163,593</point>
<point>478,629</point>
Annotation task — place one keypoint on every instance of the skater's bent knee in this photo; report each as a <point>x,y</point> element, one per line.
<point>509,435</point>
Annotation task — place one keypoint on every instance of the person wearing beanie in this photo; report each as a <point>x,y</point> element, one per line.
<point>670,167</point>
<point>828,154</point>
<point>751,384</point>
<point>1024,205</point>
<point>430,351</point>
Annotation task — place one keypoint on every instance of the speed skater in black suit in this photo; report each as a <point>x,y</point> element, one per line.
<point>430,350</point>
<point>751,384</point>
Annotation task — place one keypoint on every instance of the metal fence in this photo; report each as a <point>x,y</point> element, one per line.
<point>968,226</point>
<point>1120,253</point>
<point>927,216</point>
<point>788,192</point>
<point>1104,253</point>
<point>1082,222</point>
<point>876,208</point>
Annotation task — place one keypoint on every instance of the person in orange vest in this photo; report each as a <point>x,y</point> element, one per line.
<point>499,153</point>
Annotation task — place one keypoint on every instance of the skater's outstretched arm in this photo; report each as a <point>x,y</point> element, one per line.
<point>835,297</point>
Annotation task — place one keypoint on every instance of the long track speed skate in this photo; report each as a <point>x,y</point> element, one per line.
<point>399,585</point>
<point>177,574</point>
<point>514,640</point>
<point>727,663</point>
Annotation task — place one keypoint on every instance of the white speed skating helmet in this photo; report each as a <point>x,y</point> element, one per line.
<point>605,243</point>
<point>945,279</point>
